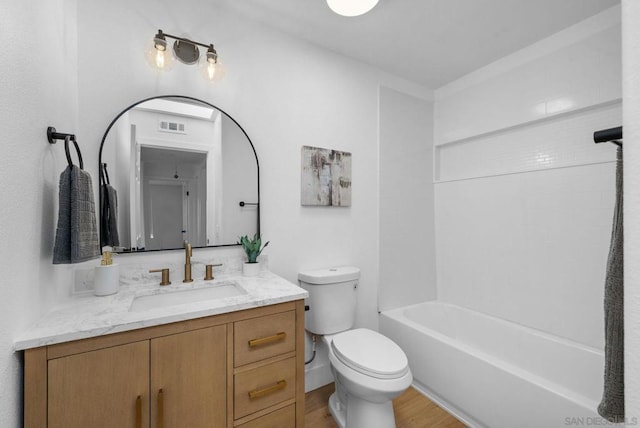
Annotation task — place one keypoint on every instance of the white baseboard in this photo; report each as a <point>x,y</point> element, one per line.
<point>317,376</point>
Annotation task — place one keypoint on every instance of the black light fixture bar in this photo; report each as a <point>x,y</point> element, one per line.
<point>186,51</point>
<point>182,39</point>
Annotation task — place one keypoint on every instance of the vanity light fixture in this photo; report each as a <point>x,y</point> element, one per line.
<point>351,7</point>
<point>184,50</point>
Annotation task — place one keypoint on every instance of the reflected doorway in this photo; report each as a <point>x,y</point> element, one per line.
<point>165,215</point>
<point>174,204</point>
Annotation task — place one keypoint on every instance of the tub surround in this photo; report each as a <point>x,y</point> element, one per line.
<point>540,177</point>
<point>86,316</point>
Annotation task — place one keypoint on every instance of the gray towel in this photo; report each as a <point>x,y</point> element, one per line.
<point>612,405</point>
<point>76,233</point>
<point>109,217</point>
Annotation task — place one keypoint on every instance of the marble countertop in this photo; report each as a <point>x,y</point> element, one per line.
<point>91,316</point>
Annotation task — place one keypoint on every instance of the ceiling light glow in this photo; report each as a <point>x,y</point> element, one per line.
<point>351,7</point>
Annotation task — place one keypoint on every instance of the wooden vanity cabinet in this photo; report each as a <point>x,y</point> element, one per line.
<point>111,384</point>
<point>187,379</point>
<point>242,369</point>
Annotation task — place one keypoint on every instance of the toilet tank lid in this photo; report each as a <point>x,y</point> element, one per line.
<point>330,275</point>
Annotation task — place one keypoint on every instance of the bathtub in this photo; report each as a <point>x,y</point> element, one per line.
<point>493,373</point>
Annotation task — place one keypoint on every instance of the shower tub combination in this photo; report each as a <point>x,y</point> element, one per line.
<point>494,373</point>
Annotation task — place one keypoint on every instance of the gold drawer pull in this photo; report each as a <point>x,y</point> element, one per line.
<point>282,384</point>
<point>264,340</point>
<point>139,412</point>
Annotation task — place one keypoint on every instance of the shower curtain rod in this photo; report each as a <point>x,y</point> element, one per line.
<point>611,135</point>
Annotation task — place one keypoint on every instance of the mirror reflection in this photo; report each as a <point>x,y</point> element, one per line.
<point>176,169</point>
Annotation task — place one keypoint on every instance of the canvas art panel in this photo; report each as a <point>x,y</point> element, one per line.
<point>326,177</point>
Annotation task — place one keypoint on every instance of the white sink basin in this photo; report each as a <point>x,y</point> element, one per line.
<point>153,301</point>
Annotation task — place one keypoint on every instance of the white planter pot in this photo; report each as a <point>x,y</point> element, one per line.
<point>251,269</point>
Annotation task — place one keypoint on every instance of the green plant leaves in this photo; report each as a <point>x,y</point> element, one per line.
<point>252,247</point>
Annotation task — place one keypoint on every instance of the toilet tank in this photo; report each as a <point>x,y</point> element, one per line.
<point>332,298</point>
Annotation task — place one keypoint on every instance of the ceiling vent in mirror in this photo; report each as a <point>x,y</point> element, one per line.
<point>166,126</point>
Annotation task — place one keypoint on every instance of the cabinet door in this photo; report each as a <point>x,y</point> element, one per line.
<point>104,388</point>
<point>189,379</point>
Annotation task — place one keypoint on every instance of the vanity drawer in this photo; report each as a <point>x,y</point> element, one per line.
<point>258,338</point>
<point>265,386</point>
<point>285,417</point>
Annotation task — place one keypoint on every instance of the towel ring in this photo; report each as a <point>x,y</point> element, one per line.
<point>66,151</point>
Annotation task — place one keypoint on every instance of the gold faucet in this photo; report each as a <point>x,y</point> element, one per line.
<point>187,262</point>
<point>165,275</point>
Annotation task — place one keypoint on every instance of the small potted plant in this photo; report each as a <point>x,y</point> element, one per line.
<point>253,248</point>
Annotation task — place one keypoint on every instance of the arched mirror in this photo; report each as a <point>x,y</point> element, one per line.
<point>175,169</point>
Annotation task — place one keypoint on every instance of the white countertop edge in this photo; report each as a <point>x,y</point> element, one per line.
<point>61,325</point>
<point>36,342</point>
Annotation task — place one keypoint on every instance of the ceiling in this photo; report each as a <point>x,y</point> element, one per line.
<point>430,42</point>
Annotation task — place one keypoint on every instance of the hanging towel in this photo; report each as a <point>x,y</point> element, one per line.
<point>109,216</point>
<point>612,405</point>
<point>76,233</point>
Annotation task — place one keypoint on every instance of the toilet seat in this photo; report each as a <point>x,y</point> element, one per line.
<point>370,353</point>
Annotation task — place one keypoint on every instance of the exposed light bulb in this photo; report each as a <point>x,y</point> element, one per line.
<point>211,70</point>
<point>160,58</point>
<point>351,7</point>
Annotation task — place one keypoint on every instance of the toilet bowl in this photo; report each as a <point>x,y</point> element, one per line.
<point>369,369</point>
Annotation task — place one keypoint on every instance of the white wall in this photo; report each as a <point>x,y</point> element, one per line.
<point>524,198</point>
<point>38,87</point>
<point>284,92</point>
<point>576,68</point>
<point>407,236</point>
<point>631,88</point>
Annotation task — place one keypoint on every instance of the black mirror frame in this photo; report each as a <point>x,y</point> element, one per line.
<point>104,138</point>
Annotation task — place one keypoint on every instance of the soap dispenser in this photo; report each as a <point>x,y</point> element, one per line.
<point>106,277</point>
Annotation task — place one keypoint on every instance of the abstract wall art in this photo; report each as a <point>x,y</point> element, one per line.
<point>326,177</point>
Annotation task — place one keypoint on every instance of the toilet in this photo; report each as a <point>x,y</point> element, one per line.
<point>369,369</point>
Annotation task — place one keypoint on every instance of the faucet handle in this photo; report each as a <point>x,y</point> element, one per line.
<point>165,275</point>
<point>208,276</point>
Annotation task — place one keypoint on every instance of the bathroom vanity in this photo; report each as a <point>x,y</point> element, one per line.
<point>233,361</point>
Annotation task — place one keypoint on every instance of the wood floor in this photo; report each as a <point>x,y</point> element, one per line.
<point>412,410</point>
